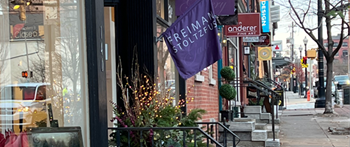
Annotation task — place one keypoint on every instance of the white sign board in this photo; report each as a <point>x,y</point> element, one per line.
<point>251,39</point>
<point>246,50</point>
<point>277,47</point>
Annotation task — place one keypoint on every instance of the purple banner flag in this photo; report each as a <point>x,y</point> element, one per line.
<point>221,7</point>
<point>193,40</point>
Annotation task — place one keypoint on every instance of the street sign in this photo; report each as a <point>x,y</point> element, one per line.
<point>251,39</point>
<point>264,53</point>
<point>264,40</point>
<point>290,40</point>
<point>246,50</point>
<point>277,47</point>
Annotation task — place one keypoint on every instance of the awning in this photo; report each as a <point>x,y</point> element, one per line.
<point>280,62</point>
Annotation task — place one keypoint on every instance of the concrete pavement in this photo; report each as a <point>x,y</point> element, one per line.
<point>301,126</point>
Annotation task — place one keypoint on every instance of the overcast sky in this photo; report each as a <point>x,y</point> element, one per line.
<point>285,25</point>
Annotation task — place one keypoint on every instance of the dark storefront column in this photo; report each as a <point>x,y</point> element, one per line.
<point>135,27</point>
<point>96,73</point>
<point>136,23</point>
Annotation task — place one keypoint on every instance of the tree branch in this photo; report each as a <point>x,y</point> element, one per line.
<point>307,31</point>
<point>307,11</point>
<point>341,38</point>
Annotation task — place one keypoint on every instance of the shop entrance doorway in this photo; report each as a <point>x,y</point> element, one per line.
<point>110,57</point>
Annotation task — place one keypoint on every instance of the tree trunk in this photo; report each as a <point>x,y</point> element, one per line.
<point>328,108</point>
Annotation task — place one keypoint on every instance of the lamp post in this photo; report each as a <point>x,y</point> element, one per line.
<point>305,42</point>
<point>301,84</point>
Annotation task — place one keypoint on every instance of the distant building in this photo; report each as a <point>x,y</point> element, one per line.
<point>340,63</point>
<point>342,54</point>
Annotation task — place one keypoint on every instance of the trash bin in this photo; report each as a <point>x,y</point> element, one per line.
<point>227,114</point>
<point>346,94</point>
<point>280,100</point>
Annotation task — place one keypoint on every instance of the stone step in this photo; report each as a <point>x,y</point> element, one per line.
<point>242,126</point>
<point>243,120</point>
<point>263,121</point>
<point>247,136</point>
<point>253,116</point>
<point>259,135</point>
<point>277,121</point>
<point>272,143</point>
<point>265,116</point>
<point>252,109</point>
<point>260,126</point>
<point>269,126</point>
<point>270,134</point>
<point>247,144</point>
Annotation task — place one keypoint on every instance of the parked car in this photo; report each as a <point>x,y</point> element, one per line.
<point>342,80</point>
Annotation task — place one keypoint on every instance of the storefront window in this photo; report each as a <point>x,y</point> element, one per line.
<point>166,67</point>
<point>233,60</point>
<point>171,11</point>
<point>160,8</point>
<point>41,67</point>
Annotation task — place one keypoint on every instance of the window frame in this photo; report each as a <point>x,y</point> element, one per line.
<point>345,44</point>
<point>212,81</point>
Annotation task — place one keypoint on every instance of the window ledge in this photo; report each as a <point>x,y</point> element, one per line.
<point>199,78</point>
<point>212,82</point>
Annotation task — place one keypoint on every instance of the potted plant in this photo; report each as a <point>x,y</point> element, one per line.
<point>144,105</point>
<point>227,91</point>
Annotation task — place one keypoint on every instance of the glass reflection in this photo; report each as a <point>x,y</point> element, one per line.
<point>166,67</point>
<point>43,40</point>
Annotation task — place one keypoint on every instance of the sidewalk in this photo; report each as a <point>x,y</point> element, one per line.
<point>308,127</point>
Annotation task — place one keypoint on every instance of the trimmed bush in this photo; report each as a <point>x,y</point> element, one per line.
<point>233,96</point>
<point>226,91</point>
<point>227,73</point>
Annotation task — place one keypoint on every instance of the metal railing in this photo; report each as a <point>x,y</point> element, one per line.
<point>234,136</point>
<point>146,129</point>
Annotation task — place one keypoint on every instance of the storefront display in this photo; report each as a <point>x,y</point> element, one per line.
<point>41,67</point>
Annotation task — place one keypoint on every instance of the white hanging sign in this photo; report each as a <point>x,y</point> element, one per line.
<point>277,47</point>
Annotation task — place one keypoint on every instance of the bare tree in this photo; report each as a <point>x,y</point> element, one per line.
<point>334,11</point>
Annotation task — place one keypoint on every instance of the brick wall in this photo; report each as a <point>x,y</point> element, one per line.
<point>206,96</point>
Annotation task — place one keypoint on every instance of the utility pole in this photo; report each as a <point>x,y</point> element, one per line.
<point>249,44</point>
<point>310,82</point>
<point>321,90</point>
<point>292,58</point>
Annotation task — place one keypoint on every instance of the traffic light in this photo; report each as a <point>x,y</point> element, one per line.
<point>25,74</point>
<point>304,60</point>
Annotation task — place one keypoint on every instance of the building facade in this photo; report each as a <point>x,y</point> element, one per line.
<point>64,56</point>
<point>341,59</point>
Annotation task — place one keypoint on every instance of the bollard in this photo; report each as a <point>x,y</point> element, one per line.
<point>308,95</point>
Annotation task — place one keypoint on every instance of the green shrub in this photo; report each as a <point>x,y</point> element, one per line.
<point>233,96</point>
<point>227,73</point>
<point>226,90</point>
